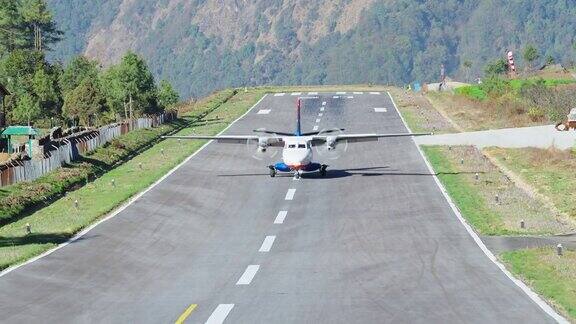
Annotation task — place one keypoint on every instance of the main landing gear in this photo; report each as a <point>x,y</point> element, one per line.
<point>323,170</point>
<point>272,171</point>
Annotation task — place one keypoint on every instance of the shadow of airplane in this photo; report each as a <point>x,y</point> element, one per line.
<point>364,172</point>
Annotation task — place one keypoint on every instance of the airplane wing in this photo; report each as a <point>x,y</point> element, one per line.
<point>354,138</point>
<point>234,139</point>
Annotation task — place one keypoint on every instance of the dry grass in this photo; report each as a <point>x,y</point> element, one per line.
<point>471,115</point>
<point>512,205</point>
<point>549,171</point>
<point>420,115</point>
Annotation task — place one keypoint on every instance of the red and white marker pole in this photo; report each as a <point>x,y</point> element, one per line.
<point>511,66</point>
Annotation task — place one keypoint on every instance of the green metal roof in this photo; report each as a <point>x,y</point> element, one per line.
<point>19,131</point>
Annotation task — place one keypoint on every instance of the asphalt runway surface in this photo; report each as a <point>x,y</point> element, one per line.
<point>375,241</point>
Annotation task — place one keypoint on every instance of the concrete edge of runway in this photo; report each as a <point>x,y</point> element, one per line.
<point>125,205</point>
<point>527,290</point>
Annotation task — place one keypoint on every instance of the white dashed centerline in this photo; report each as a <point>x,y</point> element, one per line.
<point>280,217</point>
<point>296,93</point>
<point>380,109</point>
<point>315,128</point>
<point>317,120</point>
<point>336,97</point>
<point>290,194</point>
<point>279,94</point>
<point>358,93</point>
<point>320,114</point>
<point>341,93</point>
<point>263,111</point>
<point>323,103</point>
<point>322,109</point>
<point>248,275</point>
<point>376,93</point>
<point>267,244</point>
<point>312,93</point>
<point>220,313</point>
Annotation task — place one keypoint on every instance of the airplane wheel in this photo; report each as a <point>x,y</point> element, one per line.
<point>323,170</point>
<point>272,173</point>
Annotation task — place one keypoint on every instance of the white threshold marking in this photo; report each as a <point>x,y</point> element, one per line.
<point>290,194</point>
<point>263,111</point>
<point>279,94</point>
<point>312,93</point>
<point>220,313</point>
<point>315,128</point>
<point>320,114</point>
<point>531,294</point>
<point>280,217</point>
<point>357,92</point>
<point>340,93</point>
<point>323,103</point>
<point>248,275</point>
<point>118,210</point>
<point>296,93</point>
<point>321,108</point>
<point>375,92</point>
<point>267,244</point>
<point>336,97</point>
<point>317,120</point>
<point>380,109</point>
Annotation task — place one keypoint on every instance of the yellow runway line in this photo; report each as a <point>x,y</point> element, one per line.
<point>186,313</point>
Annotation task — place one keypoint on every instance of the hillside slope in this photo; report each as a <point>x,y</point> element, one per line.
<point>202,45</point>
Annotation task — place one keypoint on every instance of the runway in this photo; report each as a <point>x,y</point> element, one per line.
<point>373,242</point>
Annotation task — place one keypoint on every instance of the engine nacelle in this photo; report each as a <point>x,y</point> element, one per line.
<point>331,142</point>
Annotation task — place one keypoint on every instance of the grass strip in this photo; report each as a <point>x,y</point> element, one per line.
<point>471,204</point>
<point>551,276</point>
<point>23,198</point>
<point>60,220</point>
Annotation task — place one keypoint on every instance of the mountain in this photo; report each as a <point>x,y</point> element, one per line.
<point>203,45</point>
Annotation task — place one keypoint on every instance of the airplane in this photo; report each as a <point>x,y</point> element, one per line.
<point>297,155</point>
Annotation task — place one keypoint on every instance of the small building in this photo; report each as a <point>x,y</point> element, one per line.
<point>3,94</point>
<point>12,131</point>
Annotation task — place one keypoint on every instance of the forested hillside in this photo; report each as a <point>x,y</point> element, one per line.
<point>202,45</point>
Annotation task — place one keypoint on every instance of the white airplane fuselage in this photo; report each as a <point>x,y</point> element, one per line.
<point>297,152</point>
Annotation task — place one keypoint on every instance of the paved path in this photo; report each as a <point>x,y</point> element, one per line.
<point>538,136</point>
<point>373,242</point>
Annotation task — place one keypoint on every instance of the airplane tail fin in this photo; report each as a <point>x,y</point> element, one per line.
<point>298,129</point>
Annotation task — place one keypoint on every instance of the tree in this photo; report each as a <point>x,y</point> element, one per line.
<point>84,102</point>
<point>550,60</point>
<point>530,54</point>
<point>46,90</point>
<point>39,23</point>
<point>499,66</point>
<point>167,96</point>
<point>467,64</point>
<point>11,33</point>
<point>79,69</point>
<point>130,86</point>
<point>27,109</point>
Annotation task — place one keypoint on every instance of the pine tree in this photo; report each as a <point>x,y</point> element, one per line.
<point>40,26</point>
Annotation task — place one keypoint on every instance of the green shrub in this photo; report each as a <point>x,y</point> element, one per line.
<point>473,92</point>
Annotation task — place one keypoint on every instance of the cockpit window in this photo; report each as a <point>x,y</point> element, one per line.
<point>292,146</point>
<point>301,145</point>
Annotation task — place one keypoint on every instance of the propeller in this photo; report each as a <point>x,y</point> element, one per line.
<point>260,149</point>
<point>331,150</point>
